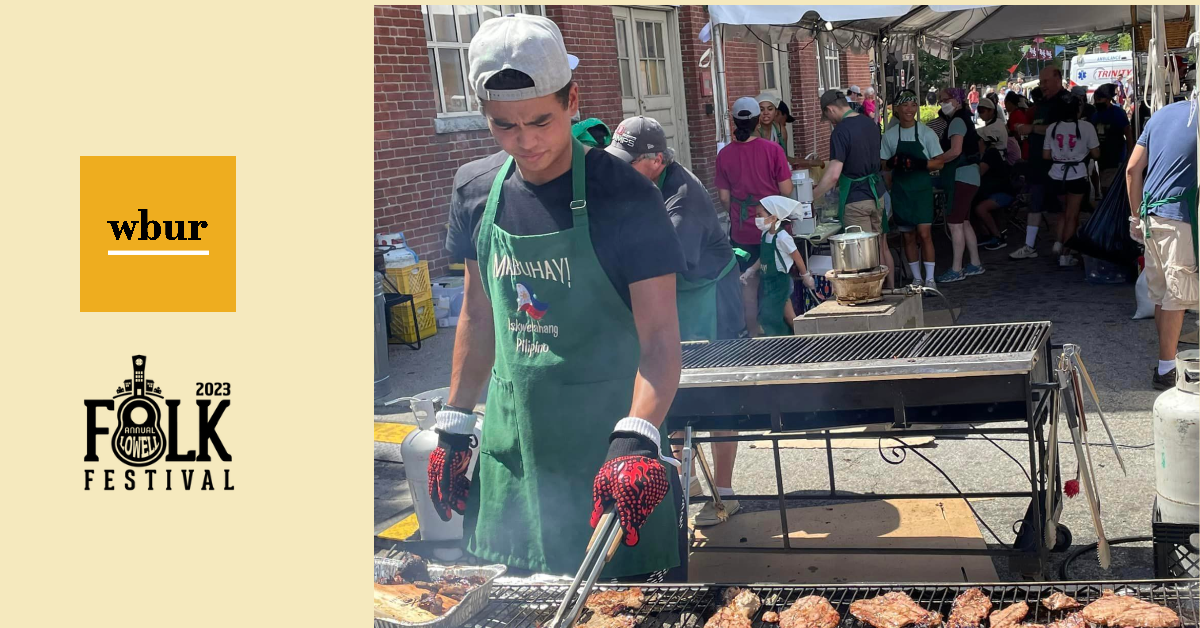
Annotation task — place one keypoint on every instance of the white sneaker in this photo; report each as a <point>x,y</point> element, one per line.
<point>708,514</point>
<point>1067,261</point>
<point>930,283</point>
<point>1025,252</point>
<point>1057,248</point>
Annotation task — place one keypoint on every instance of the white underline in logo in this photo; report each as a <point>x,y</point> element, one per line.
<point>158,252</point>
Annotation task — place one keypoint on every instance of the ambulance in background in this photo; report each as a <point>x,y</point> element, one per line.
<point>1094,70</point>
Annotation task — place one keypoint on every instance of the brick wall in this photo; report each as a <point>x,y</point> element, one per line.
<point>741,70</point>
<point>809,132</point>
<point>414,165</point>
<point>856,69</point>
<point>702,127</point>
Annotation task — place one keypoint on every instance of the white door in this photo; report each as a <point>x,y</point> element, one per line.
<point>650,85</point>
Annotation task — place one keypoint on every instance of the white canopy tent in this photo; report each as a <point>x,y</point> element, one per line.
<point>936,29</point>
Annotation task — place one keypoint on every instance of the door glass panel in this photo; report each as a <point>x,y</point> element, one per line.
<point>441,18</point>
<point>652,61</point>
<point>623,64</point>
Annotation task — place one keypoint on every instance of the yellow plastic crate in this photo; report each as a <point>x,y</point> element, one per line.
<point>412,279</point>
<point>403,331</point>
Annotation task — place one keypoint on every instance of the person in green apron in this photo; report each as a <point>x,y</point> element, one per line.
<point>771,125</point>
<point>1161,182</point>
<point>573,322</point>
<point>854,168</point>
<point>778,254</point>
<point>909,151</point>
<point>705,312</point>
<point>708,295</point>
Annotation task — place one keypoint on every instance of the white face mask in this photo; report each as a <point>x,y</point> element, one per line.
<point>948,108</point>
<point>761,223</point>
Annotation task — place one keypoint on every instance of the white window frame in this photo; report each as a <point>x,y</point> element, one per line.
<point>829,60</point>
<point>436,67</point>
<point>768,66</point>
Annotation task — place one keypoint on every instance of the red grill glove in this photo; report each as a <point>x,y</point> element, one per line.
<point>632,479</point>
<point>448,481</point>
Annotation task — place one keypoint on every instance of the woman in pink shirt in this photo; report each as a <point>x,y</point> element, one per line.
<point>749,169</point>
<point>869,104</point>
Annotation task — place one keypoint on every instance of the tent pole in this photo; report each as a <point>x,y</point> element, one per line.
<point>881,61</point>
<point>917,69</point>
<point>719,89</point>
<point>1135,93</point>
<point>953,74</point>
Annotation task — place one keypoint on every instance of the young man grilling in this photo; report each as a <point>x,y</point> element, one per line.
<point>569,306</point>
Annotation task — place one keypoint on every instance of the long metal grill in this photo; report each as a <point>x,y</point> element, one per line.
<point>900,344</point>
<point>689,606</point>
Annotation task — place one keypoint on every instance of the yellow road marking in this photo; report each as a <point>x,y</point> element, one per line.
<point>405,528</point>
<point>392,432</point>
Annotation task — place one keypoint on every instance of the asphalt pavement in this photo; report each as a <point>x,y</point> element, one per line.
<point>1119,353</point>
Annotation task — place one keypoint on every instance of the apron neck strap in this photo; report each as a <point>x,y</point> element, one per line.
<point>662,177</point>
<point>578,180</point>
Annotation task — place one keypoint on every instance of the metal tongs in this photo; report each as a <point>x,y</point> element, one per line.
<point>1076,422</point>
<point>606,538</point>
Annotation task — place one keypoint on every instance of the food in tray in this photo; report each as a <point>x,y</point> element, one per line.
<point>739,606</point>
<point>409,603</point>
<point>615,602</point>
<point>894,610</point>
<point>609,621</point>
<point>1009,616</point>
<point>812,611</point>
<point>1127,611</point>
<point>451,586</point>
<point>412,568</point>
<point>1059,601</point>
<point>969,609</point>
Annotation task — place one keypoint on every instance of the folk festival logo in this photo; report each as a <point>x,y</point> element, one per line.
<point>138,440</point>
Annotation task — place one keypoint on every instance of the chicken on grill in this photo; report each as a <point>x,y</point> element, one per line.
<point>607,621</point>
<point>811,611</point>
<point>1127,611</point>
<point>740,605</point>
<point>969,609</point>
<point>1059,601</point>
<point>615,602</point>
<point>1074,620</point>
<point>771,617</point>
<point>1009,616</point>
<point>894,610</point>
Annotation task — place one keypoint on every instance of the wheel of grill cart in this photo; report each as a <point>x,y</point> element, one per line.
<point>1062,538</point>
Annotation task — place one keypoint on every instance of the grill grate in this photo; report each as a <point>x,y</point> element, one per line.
<point>689,606</point>
<point>899,344</point>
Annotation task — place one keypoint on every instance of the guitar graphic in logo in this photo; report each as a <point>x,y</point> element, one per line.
<point>138,439</point>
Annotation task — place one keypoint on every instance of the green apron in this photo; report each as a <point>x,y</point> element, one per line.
<point>1188,198</point>
<point>912,192</point>
<point>776,136</point>
<point>745,204</point>
<point>696,301</point>
<point>567,354</point>
<point>844,185</point>
<point>774,288</point>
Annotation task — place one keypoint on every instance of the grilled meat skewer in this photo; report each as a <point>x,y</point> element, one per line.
<point>1009,616</point>
<point>894,610</point>
<point>969,609</point>
<point>1126,611</point>
<point>1059,601</point>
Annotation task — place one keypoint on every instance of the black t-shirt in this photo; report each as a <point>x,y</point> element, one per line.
<point>855,143</point>
<point>705,244</point>
<point>1044,113</point>
<point>997,177</point>
<point>630,231</point>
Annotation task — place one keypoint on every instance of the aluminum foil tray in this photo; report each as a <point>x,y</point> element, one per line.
<point>472,603</point>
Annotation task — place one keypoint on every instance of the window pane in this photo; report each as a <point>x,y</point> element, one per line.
<point>433,71</point>
<point>453,94</point>
<point>660,51</point>
<point>468,21</point>
<point>622,52</point>
<point>662,77</point>
<point>642,77</point>
<point>488,11</point>
<point>762,52</point>
<point>533,9</point>
<point>626,87</point>
<point>472,104</point>
<point>441,17</point>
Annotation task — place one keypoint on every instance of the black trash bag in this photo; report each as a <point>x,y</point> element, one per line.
<point>1106,234</point>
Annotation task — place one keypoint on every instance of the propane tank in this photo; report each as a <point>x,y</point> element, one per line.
<point>1177,443</point>
<point>415,451</point>
<point>383,385</point>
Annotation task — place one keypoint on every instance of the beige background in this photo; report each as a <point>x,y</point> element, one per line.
<point>286,88</point>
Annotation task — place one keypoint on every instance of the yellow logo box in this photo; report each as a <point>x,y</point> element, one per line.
<point>157,234</point>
